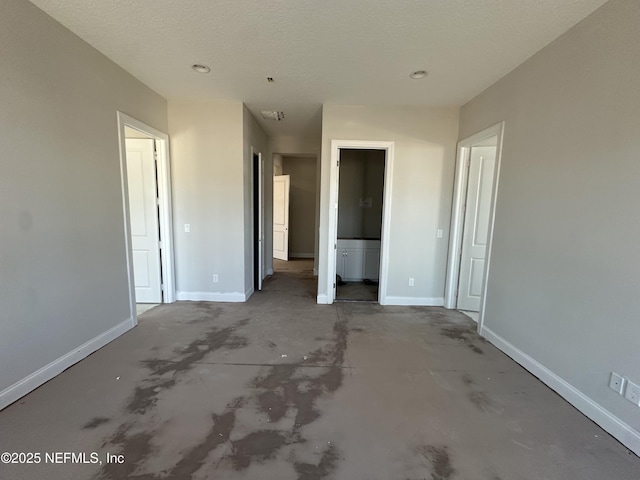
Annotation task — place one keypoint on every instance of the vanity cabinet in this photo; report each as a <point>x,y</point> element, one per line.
<point>357,259</point>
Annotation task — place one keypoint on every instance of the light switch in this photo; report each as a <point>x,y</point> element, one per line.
<point>187,227</point>
<point>439,234</point>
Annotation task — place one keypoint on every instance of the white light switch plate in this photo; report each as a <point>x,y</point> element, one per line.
<point>616,383</point>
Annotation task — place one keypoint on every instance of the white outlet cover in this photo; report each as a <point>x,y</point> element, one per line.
<point>632,393</point>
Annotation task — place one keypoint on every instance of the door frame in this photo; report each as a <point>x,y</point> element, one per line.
<point>165,217</point>
<point>261,257</point>
<point>336,146</point>
<point>458,214</point>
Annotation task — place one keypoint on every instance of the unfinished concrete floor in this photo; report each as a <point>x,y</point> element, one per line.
<point>281,388</point>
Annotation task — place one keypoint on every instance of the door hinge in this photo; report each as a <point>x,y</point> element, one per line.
<point>155,156</point>
<point>335,246</point>
<point>160,244</point>
<point>338,163</point>
<point>334,285</point>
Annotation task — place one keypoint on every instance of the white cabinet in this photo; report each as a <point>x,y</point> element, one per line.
<point>357,259</point>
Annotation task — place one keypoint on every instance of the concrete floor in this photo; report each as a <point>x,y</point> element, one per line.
<point>281,388</point>
<point>357,292</point>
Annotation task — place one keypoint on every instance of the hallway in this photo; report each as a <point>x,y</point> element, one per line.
<point>282,388</point>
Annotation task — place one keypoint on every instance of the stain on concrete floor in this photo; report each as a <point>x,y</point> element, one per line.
<point>282,388</point>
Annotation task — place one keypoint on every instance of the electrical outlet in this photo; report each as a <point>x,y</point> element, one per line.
<point>187,227</point>
<point>411,282</point>
<point>215,278</point>
<point>632,393</point>
<point>439,233</point>
<point>616,383</point>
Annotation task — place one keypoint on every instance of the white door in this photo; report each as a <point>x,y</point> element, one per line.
<point>476,227</point>
<point>143,214</point>
<point>281,217</point>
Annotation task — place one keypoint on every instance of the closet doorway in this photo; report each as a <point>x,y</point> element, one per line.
<point>360,189</point>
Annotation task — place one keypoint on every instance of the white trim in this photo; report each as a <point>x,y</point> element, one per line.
<point>416,301</point>
<point>166,219</point>
<point>626,434</point>
<point>46,373</point>
<point>300,255</point>
<point>232,297</point>
<point>269,271</point>
<point>336,146</point>
<point>457,216</point>
<point>322,299</point>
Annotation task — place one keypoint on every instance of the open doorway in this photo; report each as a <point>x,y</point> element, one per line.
<point>257,167</point>
<point>361,173</point>
<point>294,211</point>
<point>144,157</point>
<point>360,202</point>
<point>472,224</point>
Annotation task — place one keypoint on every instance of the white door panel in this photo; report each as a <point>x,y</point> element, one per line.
<point>143,217</point>
<point>281,217</point>
<point>476,227</point>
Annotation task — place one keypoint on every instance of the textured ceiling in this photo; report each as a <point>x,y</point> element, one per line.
<point>319,51</point>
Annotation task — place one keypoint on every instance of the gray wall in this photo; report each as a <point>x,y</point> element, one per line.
<point>62,252</point>
<point>208,193</point>
<point>563,285</point>
<point>302,204</point>
<point>425,144</point>
<point>361,177</point>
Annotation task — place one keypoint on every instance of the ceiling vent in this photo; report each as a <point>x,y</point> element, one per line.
<point>275,116</point>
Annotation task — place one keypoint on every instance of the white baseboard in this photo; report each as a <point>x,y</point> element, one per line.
<point>322,299</point>
<point>301,255</point>
<point>46,373</point>
<point>315,272</point>
<point>627,435</point>
<point>233,297</point>
<point>269,271</point>
<point>414,301</point>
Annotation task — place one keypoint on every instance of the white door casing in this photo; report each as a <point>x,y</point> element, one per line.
<point>260,217</point>
<point>332,231</point>
<point>492,136</point>
<point>476,227</point>
<point>143,219</point>
<point>281,185</point>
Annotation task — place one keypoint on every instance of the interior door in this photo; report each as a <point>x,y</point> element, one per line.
<point>476,227</point>
<point>281,217</point>
<point>143,215</point>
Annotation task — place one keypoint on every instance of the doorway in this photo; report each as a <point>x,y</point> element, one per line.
<point>359,222</point>
<point>257,167</point>
<point>477,172</point>
<point>146,194</point>
<point>295,203</point>
<point>360,203</point>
